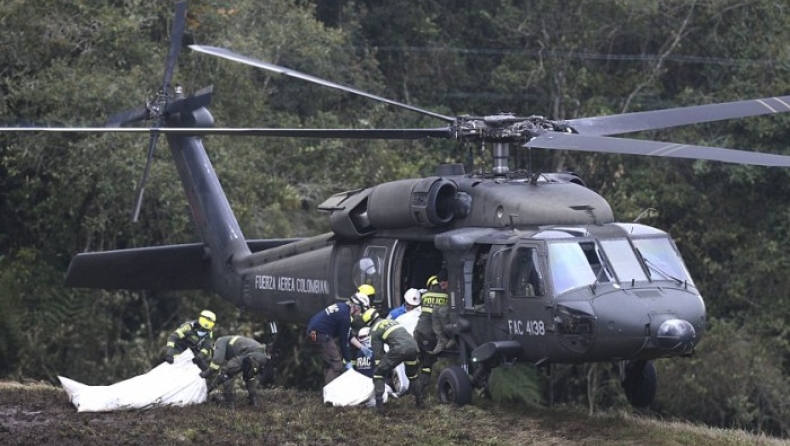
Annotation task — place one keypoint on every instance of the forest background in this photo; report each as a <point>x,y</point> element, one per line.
<point>76,62</point>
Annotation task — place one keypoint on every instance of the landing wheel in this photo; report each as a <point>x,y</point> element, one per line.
<point>640,383</point>
<point>454,386</point>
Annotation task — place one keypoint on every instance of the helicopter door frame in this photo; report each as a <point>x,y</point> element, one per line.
<point>380,251</point>
<point>496,280</point>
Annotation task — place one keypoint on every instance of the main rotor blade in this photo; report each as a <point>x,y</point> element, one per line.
<point>585,143</point>
<point>440,133</point>
<point>176,36</point>
<point>127,117</point>
<point>230,55</point>
<point>673,117</point>
<point>138,203</point>
<point>201,98</point>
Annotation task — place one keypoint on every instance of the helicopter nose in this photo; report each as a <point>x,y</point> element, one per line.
<point>676,335</point>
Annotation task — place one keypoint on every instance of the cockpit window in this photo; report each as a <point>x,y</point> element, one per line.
<point>623,260</point>
<point>525,277</point>
<point>569,266</point>
<point>662,260</point>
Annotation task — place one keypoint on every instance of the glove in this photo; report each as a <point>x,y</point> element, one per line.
<point>349,365</point>
<point>366,351</point>
<point>200,362</point>
<point>205,373</point>
<point>169,359</point>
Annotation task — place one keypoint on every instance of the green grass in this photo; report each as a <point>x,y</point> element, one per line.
<point>37,414</point>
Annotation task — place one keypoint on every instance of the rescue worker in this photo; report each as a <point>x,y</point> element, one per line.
<point>402,349</point>
<point>196,335</point>
<point>238,355</point>
<point>329,332</point>
<point>411,300</point>
<point>368,290</point>
<point>434,303</point>
<point>364,362</point>
<point>423,332</point>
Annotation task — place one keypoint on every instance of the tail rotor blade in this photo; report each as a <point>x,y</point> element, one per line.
<point>141,187</point>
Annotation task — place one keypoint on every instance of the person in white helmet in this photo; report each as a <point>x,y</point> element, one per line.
<point>411,300</point>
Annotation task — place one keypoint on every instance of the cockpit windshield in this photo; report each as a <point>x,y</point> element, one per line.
<point>576,264</point>
<point>663,262</point>
<point>623,260</point>
<point>570,267</point>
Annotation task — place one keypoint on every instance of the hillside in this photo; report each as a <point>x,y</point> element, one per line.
<point>38,414</point>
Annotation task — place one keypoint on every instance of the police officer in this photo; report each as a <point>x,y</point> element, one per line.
<point>437,296</point>
<point>423,332</point>
<point>196,335</point>
<point>238,355</point>
<point>402,349</point>
<point>329,331</point>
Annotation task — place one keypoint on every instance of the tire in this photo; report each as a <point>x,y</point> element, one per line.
<point>640,383</point>
<point>454,386</point>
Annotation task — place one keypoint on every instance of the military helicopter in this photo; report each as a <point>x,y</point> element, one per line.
<point>539,269</point>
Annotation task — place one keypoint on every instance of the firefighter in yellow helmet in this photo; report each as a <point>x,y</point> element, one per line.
<point>197,335</point>
<point>402,349</point>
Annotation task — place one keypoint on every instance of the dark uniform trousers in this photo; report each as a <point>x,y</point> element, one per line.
<point>329,350</point>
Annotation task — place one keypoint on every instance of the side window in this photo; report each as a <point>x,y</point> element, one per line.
<point>376,256</point>
<point>525,278</point>
<point>479,275</point>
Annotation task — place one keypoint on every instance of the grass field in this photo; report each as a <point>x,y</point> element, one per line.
<point>41,414</point>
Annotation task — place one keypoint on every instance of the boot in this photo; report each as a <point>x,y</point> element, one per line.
<point>380,403</point>
<point>441,344</point>
<point>252,392</point>
<point>228,393</point>
<point>416,389</point>
<point>450,344</point>
<point>425,381</point>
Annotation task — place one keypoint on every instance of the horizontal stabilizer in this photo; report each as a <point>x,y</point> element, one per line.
<point>174,267</point>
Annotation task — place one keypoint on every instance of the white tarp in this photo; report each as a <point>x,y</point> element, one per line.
<point>352,389</point>
<point>177,384</point>
<point>409,320</point>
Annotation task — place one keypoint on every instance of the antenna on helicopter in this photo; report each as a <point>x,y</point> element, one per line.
<point>644,213</point>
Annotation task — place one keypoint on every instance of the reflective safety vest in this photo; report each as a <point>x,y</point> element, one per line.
<point>434,299</point>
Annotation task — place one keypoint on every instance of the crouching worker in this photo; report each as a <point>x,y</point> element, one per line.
<point>234,355</point>
<point>402,349</point>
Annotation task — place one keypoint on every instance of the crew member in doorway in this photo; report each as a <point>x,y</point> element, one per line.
<point>435,303</point>
<point>411,300</point>
<point>329,331</point>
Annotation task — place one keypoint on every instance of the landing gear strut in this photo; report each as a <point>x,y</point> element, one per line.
<point>639,383</point>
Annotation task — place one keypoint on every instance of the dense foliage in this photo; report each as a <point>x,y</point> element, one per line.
<point>74,63</point>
